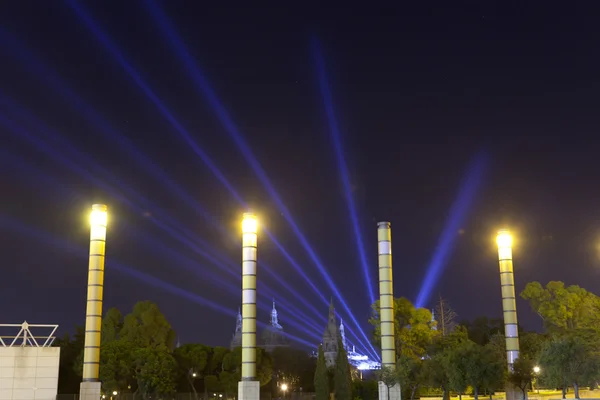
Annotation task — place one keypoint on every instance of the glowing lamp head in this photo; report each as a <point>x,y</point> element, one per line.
<point>284,387</point>
<point>99,215</point>
<point>249,223</point>
<point>536,369</point>
<point>504,239</point>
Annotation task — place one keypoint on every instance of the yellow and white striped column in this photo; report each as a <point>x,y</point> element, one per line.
<point>93,314</point>
<point>249,253</point>
<point>504,241</point>
<point>386,295</point>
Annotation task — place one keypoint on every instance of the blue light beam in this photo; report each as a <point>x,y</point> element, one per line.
<point>54,242</point>
<point>456,218</point>
<point>157,245</point>
<point>202,83</point>
<point>342,166</point>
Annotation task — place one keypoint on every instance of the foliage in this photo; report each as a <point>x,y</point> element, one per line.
<point>437,364</point>
<point>321,377</point>
<point>146,326</point>
<point>522,374</point>
<point>570,360</point>
<point>482,329</point>
<point>409,373</point>
<point>192,360</point>
<point>232,362</point>
<point>71,361</point>
<point>294,367</point>
<point>471,365</point>
<point>389,377</point>
<point>413,333</point>
<point>563,308</point>
<point>531,344</point>
<point>365,389</point>
<point>445,317</point>
<point>342,377</point>
<point>155,371</point>
<point>111,325</point>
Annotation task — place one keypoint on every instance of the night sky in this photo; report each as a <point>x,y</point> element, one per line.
<point>418,92</point>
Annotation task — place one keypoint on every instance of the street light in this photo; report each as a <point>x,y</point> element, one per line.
<point>95,289</point>
<point>504,240</point>
<point>284,388</point>
<point>536,371</point>
<point>249,253</point>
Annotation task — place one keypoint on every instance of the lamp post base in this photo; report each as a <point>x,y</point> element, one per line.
<point>394,392</point>
<point>248,390</point>
<point>90,391</point>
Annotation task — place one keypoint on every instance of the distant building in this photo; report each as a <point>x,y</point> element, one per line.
<point>330,338</point>
<point>236,341</point>
<point>272,337</point>
<point>331,345</point>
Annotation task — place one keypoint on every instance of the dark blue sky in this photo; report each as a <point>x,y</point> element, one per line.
<point>418,92</point>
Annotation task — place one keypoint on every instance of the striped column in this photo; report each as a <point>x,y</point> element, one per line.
<point>93,313</point>
<point>509,305</point>
<point>249,250</point>
<point>386,295</point>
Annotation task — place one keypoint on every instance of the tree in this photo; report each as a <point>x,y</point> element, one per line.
<point>389,377</point>
<point>321,377</point>
<point>192,360</point>
<point>434,373</point>
<point>570,360</point>
<point>445,317</point>
<point>111,325</point>
<point>522,374</point>
<point>116,365</point>
<point>436,365</point>
<point>563,308</point>
<point>477,366</point>
<point>342,380</point>
<point>294,367</point>
<point>410,373</point>
<point>482,329</point>
<point>413,332</point>
<point>232,362</point>
<point>494,373</point>
<point>531,344</point>
<point>155,371</point>
<point>146,326</point>
<point>456,364</point>
<point>71,361</point>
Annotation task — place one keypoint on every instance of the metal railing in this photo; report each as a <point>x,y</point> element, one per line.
<point>24,337</point>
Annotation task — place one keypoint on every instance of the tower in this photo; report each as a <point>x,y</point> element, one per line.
<point>236,341</point>
<point>386,309</point>
<point>90,385</point>
<point>249,387</point>
<point>330,338</point>
<point>273,335</point>
<point>509,304</point>
<point>343,333</point>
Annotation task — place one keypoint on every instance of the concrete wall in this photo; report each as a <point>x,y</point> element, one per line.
<point>29,373</point>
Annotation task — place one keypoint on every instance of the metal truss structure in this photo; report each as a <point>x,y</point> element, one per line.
<point>25,337</point>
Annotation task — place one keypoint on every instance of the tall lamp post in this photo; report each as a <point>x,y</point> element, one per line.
<point>249,387</point>
<point>504,240</point>
<point>386,308</point>
<point>90,385</point>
